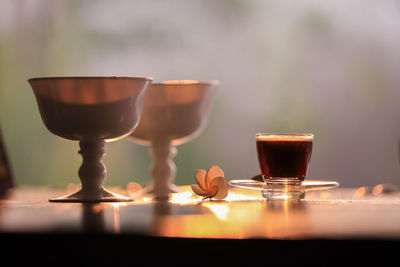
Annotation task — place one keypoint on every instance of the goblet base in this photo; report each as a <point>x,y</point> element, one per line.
<point>78,197</point>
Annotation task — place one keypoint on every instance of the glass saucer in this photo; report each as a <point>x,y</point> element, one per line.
<point>284,191</point>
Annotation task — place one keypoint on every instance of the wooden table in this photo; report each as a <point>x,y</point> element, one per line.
<point>328,225</point>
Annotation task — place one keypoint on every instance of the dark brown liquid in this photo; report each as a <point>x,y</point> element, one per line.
<point>106,121</point>
<point>287,159</point>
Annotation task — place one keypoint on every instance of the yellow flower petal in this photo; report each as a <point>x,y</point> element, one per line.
<point>213,171</point>
<point>200,176</point>
<point>221,186</point>
<point>210,183</point>
<point>197,190</point>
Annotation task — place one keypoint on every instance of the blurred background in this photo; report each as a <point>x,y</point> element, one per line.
<point>326,67</point>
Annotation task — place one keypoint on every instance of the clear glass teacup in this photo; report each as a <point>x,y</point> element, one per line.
<point>284,161</point>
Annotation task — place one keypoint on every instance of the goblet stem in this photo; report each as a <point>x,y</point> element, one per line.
<point>92,172</point>
<point>163,169</point>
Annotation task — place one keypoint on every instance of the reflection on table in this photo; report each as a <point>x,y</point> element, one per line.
<point>337,213</point>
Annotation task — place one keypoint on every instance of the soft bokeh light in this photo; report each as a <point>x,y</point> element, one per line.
<point>325,67</point>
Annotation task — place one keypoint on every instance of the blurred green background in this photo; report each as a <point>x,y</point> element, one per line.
<point>330,68</point>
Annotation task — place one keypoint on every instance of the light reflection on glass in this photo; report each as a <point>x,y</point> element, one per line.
<point>116,208</point>
<point>285,218</point>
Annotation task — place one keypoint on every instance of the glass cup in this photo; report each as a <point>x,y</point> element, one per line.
<point>284,161</point>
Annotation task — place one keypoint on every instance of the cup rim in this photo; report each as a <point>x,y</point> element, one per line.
<point>185,82</point>
<point>91,77</point>
<point>297,136</point>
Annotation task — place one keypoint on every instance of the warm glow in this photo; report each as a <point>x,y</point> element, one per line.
<point>220,210</point>
<point>241,196</point>
<point>117,205</point>
<point>242,214</point>
<point>134,190</point>
<point>378,189</point>
<point>185,197</point>
<point>147,199</point>
<point>117,225</point>
<point>96,208</point>
<point>325,195</point>
<point>284,196</point>
<point>180,82</point>
<point>284,137</point>
<point>362,191</point>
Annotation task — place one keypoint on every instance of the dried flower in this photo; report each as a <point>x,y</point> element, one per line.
<point>211,183</point>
